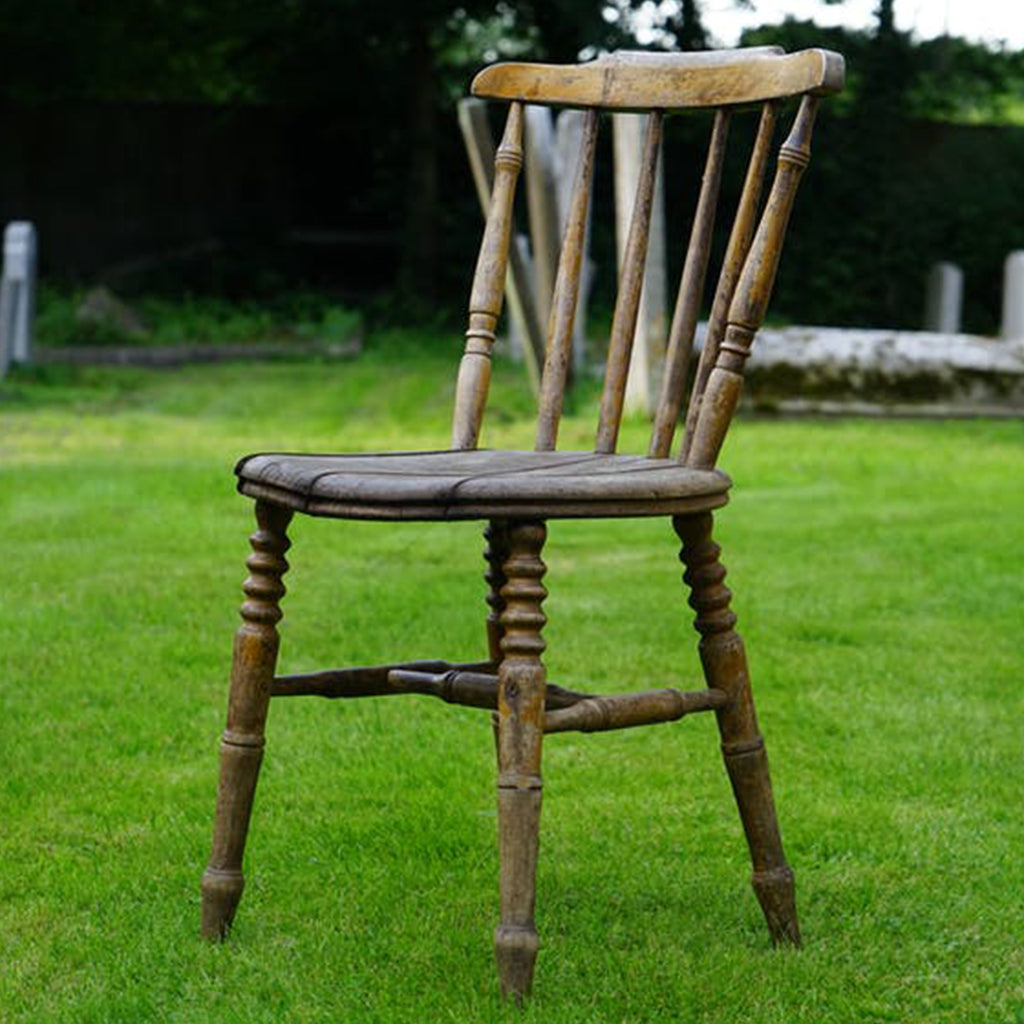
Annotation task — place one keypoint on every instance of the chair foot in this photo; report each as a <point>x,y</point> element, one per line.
<point>515,949</point>
<point>222,891</point>
<point>776,892</point>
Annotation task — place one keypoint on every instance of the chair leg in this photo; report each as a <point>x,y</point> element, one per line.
<point>241,751</point>
<point>520,732</point>
<point>725,668</point>
<point>496,535</point>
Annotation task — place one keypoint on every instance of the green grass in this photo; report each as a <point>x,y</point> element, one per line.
<point>879,578</point>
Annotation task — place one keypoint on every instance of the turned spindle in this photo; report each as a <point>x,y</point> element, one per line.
<point>521,695</point>
<point>724,661</point>
<point>241,750</point>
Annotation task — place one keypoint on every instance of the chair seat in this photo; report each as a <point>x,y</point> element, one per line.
<point>480,484</point>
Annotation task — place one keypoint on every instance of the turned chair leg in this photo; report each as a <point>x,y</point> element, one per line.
<point>241,751</point>
<point>520,731</point>
<point>495,554</point>
<point>725,668</point>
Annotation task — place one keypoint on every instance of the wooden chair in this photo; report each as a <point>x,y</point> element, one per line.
<point>515,492</point>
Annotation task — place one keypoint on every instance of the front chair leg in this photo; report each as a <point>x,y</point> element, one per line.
<point>725,668</point>
<point>522,687</point>
<point>241,751</point>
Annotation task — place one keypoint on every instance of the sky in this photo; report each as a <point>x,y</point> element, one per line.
<point>989,21</point>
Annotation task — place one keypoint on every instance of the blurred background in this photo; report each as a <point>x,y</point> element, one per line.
<point>247,150</point>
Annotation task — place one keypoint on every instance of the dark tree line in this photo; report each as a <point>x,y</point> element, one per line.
<point>372,85</point>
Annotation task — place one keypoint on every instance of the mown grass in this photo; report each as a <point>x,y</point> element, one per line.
<point>879,578</point>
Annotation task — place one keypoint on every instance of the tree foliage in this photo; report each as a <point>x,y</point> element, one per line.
<point>377,82</point>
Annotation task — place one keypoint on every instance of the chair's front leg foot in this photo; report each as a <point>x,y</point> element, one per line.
<point>252,672</point>
<point>520,733</point>
<point>725,667</point>
<point>776,892</point>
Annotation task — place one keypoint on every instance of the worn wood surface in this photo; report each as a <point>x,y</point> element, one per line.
<point>691,290</point>
<point>750,300</point>
<point>628,710</point>
<point>519,288</point>
<point>740,237</point>
<point>366,681</point>
<point>488,287</point>
<point>724,661</point>
<point>241,750</point>
<point>558,359</point>
<point>627,303</point>
<point>469,683</point>
<point>495,553</point>
<point>520,732</point>
<point>481,484</point>
<point>473,689</point>
<point>667,82</point>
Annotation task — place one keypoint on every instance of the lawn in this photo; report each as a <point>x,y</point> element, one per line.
<point>879,577</point>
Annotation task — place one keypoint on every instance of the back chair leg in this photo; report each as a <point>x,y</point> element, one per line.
<point>725,668</point>
<point>522,687</point>
<point>241,751</point>
<point>495,554</point>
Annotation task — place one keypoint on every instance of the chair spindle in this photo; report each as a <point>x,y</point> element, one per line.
<point>488,287</point>
<point>627,303</point>
<point>747,309</point>
<point>566,296</point>
<point>736,252</point>
<point>691,291</point>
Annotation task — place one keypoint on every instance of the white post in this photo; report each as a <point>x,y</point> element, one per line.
<point>518,339</point>
<point>648,357</point>
<point>542,205</point>
<point>944,299</point>
<point>18,294</point>
<point>1013,296</point>
<point>568,144</point>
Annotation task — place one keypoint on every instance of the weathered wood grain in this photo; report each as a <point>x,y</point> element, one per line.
<point>520,732</point>
<point>519,288</point>
<point>481,483</point>
<point>566,297</point>
<point>488,287</point>
<point>750,300</point>
<point>495,553</point>
<point>735,256</point>
<point>675,82</point>
<point>365,681</point>
<point>724,661</point>
<point>241,751</point>
<point>691,290</point>
<point>631,278</point>
<point>628,710</point>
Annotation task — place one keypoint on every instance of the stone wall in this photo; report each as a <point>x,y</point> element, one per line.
<point>835,370</point>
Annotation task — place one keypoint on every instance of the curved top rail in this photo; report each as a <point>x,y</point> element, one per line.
<point>672,81</point>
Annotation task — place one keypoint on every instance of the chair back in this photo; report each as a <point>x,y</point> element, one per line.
<point>658,84</point>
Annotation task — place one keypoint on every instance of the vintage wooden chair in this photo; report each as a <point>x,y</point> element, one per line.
<point>515,492</point>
